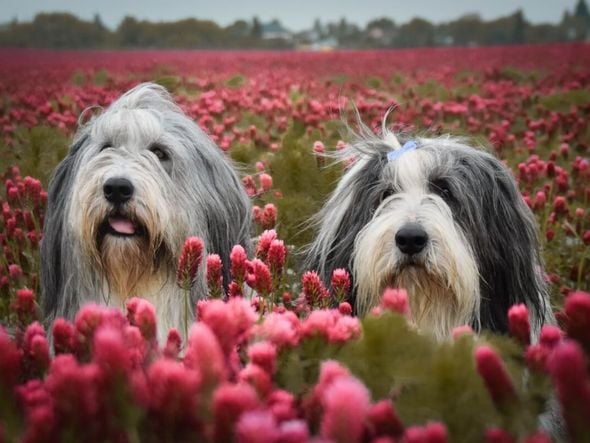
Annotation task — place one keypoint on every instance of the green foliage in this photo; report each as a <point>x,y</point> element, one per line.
<point>462,76</point>
<point>428,380</point>
<point>374,82</point>
<point>79,78</point>
<point>250,118</point>
<point>100,77</point>
<point>386,355</point>
<point>397,79</point>
<point>244,155</point>
<point>433,90</point>
<point>295,95</point>
<point>236,81</point>
<point>563,101</point>
<point>338,79</point>
<point>464,91</point>
<point>298,368</point>
<point>518,75</point>
<point>36,151</point>
<point>170,82</point>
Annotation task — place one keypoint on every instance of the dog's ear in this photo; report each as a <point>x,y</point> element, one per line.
<point>216,194</point>
<point>53,242</point>
<point>228,223</point>
<point>505,241</point>
<point>347,211</point>
<point>227,210</point>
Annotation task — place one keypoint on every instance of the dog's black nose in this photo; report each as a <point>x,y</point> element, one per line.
<point>411,238</point>
<point>117,190</point>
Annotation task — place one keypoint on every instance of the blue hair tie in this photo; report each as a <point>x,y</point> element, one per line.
<point>408,146</point>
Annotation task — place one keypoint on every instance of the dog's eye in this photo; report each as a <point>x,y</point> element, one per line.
<point>160,153</point>
<point>441,188</point>
<point>105,145</point>
<point>388,192</point>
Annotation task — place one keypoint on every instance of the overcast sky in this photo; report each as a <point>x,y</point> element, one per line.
<point>294,14</point>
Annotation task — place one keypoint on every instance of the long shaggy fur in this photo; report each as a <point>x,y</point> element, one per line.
<point>192,190</point>
<point>482,254</point>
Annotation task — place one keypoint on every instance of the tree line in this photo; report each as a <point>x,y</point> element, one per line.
<point>63,30</point>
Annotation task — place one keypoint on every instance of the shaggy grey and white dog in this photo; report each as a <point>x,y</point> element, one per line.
<point>138,180</point>
<point>441,219</point>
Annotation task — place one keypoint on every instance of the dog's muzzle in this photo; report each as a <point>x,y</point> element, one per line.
<point>411,238</point>
<point>118,190</point>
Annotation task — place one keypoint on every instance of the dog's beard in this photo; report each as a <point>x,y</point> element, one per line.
<point>434,302</point>
<point>125,262</point>
<point>123,247</point>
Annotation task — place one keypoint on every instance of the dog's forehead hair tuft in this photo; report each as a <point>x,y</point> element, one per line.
<point>411,171</point>
<point>132,128</point>
<point>146,96</point>
<point>416,169</point>
<point>142,116</point>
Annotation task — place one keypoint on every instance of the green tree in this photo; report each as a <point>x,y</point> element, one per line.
<point>318,29</point>
<point>582,17</point>
<point>239,28</point>
<point>418,32</point>
<point>128,32</point>
<point>98,22</point>
<point>581,10</point>
<point>380,32</point>
<point>520,25</point>
<point>256,30</point>
<point>58,30</point>
<point>466,30</point>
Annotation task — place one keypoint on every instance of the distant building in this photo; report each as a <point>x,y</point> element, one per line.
<point>326,44</point>
<point>275,30</point>
<point>445,40</point>
<point>376,33</point>
<point>577,24</point>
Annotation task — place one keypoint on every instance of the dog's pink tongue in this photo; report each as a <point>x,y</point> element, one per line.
<point>122,225</point>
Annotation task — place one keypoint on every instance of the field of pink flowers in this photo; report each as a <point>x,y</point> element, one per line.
<point>286,366</point>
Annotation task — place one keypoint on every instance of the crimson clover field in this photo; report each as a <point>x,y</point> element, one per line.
<point>284,367</point>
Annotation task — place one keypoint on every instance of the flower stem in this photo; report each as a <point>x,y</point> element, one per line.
<point>186,308</point>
